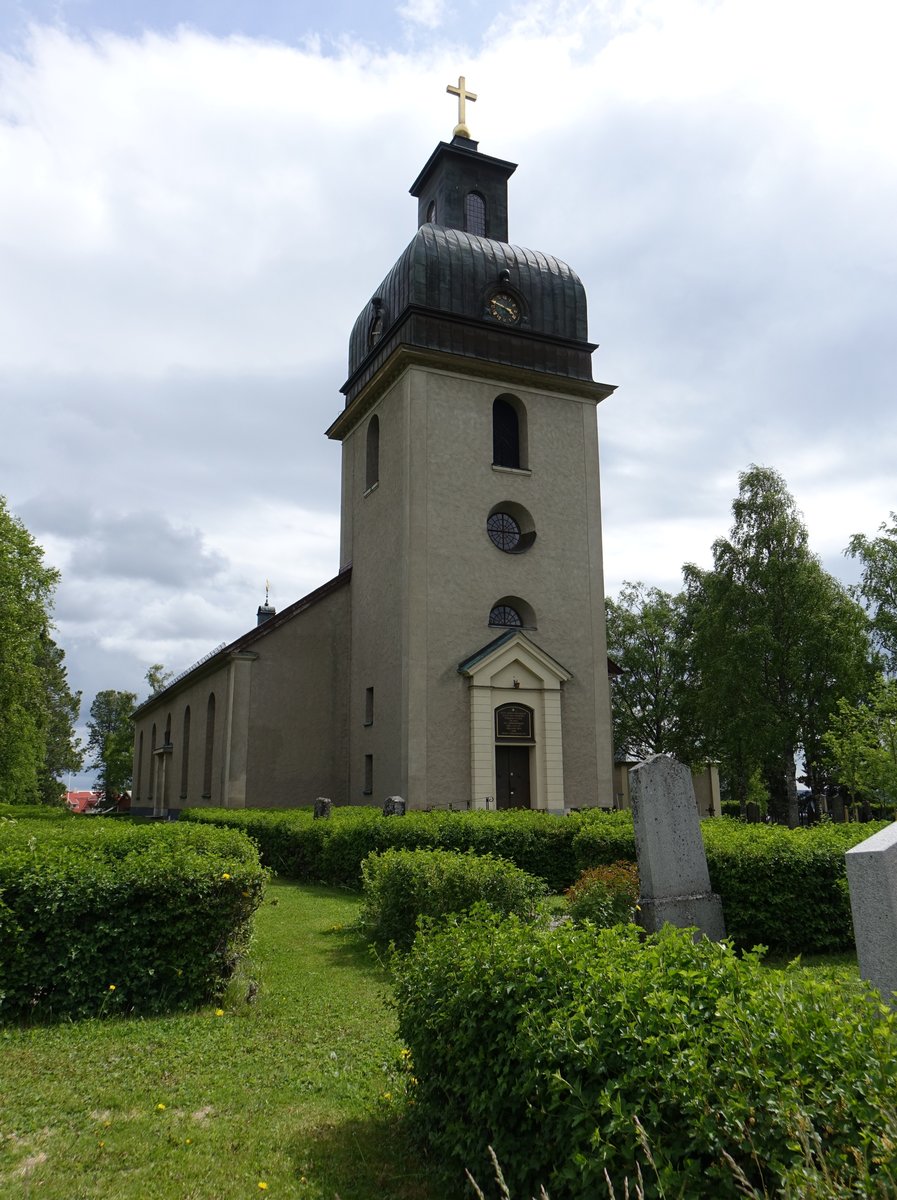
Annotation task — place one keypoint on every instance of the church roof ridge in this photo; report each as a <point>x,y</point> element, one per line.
<point>245,640</point>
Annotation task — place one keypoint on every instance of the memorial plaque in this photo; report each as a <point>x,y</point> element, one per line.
<point>514,723</point>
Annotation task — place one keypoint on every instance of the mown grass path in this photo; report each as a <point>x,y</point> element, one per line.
<point>293,1083</point>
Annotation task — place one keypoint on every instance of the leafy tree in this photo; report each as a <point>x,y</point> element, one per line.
<point>158,678</point>
<point>878,587</point>
<point>111,741</point>
<point>62,752</point>
<point>862,743</point>
<point>37,710</point>
<point>774,641</point>
<point>644,638</point>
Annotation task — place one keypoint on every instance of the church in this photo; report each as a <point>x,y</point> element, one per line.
<point>458,659</point>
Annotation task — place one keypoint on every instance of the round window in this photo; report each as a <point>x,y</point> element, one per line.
<point>504,531</point>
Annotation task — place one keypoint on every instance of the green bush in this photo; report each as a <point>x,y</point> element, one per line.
<point>602,839</point>
<point>605,895</point>
<point>548,1044</point>
<point>102,917</point>
<point>400,886</point>
<point>331,851</point>
<point>34,812</point>
<point>784,888</point>
<point>781,888</point>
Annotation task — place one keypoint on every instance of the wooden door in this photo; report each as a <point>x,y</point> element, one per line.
<point>512,777</point>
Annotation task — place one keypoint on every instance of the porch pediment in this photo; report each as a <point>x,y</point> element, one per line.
<point>513,660</point>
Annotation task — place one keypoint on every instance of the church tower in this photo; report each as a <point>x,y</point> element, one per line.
<point>477,670</point>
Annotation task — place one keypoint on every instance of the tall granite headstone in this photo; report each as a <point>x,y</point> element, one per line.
<point>872,878</point>
<point>675,882</point>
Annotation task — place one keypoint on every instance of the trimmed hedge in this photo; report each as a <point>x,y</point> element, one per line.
<point>331,851</point>
<point>784,888</point>
<point>34,812</point>
<point>399,886</point>
<point>102,917</point>
<point>781,888</point>
<point>548,1044</point>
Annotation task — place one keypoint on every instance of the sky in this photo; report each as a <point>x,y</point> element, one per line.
<point>197,197</point>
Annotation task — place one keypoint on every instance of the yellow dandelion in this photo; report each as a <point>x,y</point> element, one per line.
<point>187,1141</point>
<point>263,1187</point>
<point>405,1052</point>
<point>160,1108</point>
<point>111,987</point>
<point>219,1012</point>
<point>225,875</point>
<point>101,1144</point>
<point>387,1096</point>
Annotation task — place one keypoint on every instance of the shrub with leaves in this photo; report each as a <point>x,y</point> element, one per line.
<point>784,888</point>
<point>332,850</point>
<point>605,895</point>
<point>401,886</point>
<point>781,888</point>
<point>547,1044</point>
<point>100,917</point>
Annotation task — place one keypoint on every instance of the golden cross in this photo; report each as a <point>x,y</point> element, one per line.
<point>463,95</point>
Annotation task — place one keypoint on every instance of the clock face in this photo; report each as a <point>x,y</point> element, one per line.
<point>504,308</point>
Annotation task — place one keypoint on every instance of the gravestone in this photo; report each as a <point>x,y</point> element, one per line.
<point>752,808</point>
<point>674,880</point>
<point>393,806</point>
<point>322,807</point>
<point>872,878</point>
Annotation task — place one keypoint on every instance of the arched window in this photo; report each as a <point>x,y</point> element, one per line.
<point>167,741</point>
<point>506,439</point>
<point>511,612</point>
<point>475,214</point>
<point>139,765</point>
<point>152,765</point>
<point>372,469</point>
<point>185,753</point>
<point>504,614</point>
<point>210,743</point>
<point>431,212</point>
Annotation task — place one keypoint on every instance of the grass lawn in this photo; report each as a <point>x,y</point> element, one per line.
<point>296,1087</point>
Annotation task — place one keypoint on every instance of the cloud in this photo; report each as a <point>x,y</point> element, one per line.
<point>197,221</point>
<point>430,14</point>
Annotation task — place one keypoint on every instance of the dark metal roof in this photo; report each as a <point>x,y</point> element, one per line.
<point>437,297</point>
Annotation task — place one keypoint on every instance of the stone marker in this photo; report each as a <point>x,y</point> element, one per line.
<point>322,807</point>
<point>872,877</point>
<point>393,806</point>
<point>672,865</point>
